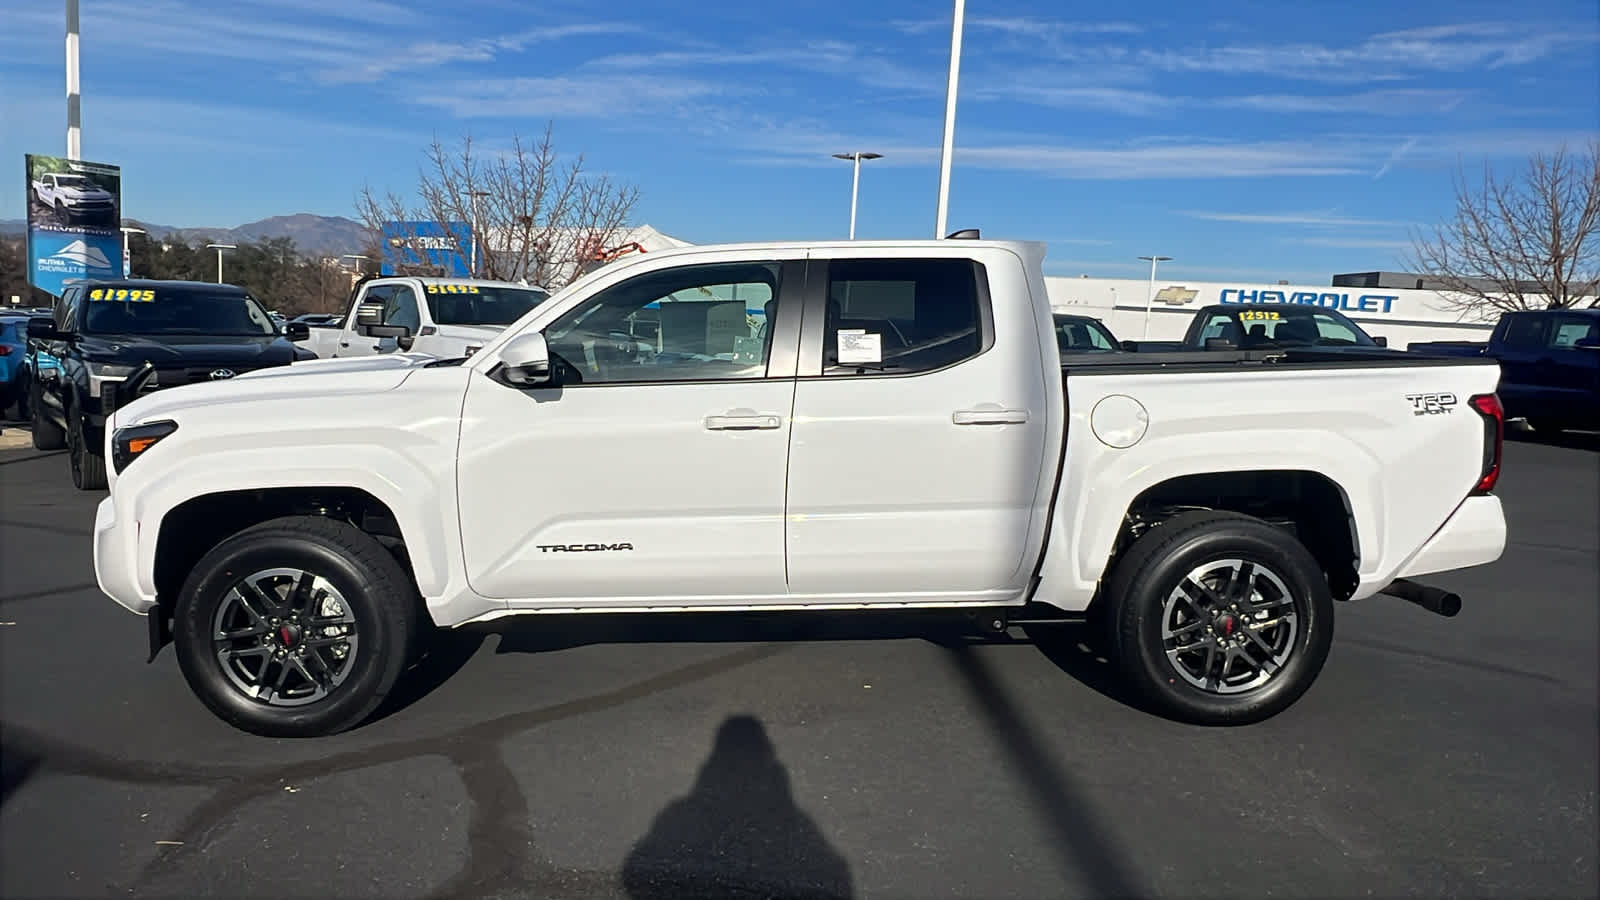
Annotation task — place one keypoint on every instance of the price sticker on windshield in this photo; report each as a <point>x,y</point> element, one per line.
<point>452,289</point>
<point>126,295</point>
<point>1254,315</point>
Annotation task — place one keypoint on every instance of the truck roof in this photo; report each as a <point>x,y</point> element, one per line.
<point>446,279</point>
<point>158,283</point>
<point>955,245</point>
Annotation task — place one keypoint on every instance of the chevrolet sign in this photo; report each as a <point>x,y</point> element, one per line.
<point>1176,295</point>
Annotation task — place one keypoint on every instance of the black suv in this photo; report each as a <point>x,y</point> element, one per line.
<point>118,339</point>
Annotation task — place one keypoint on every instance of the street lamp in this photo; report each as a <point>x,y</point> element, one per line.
<point>949,118</point>
<point>127,261</point>
<point>855,183</point>
<point>1150,297</point>
<point>473,265</point>
<point>219,248</point>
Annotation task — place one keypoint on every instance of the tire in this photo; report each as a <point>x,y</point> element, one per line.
<point>1143,594</point>
<point>88,466</point>
<point>47,435</point>
<point>370,593</point>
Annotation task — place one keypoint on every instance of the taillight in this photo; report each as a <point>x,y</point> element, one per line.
<point>1494,435</point>
<point>5,349</point>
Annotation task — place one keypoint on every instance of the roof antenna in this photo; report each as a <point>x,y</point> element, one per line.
<point>965,234</point>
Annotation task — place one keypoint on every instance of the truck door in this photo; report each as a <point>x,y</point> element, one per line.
<point>352,340</point>
<point>920,428</point>
<point>651,472</point>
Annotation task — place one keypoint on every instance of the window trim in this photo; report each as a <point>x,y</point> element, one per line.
<point>785,336</point>
<point>816,313</point>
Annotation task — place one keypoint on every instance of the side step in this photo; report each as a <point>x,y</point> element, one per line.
<point>1432,599</point>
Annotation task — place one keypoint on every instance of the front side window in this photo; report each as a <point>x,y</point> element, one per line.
<point>692,323</point>
<point>900,315</point>
<point>1572,329</point>
<point>166,310</point>
<point>401,309</point>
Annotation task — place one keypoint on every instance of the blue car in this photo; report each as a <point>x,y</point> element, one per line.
<point>13,356</point>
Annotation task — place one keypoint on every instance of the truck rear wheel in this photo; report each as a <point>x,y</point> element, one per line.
<point>1219,618</point>
<point>296,627</point>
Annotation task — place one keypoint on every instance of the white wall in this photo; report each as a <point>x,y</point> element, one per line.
<point>1402,316</point>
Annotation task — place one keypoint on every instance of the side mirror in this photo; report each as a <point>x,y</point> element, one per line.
<point>1380,340</point>
<point>525,361</point>
<point>1131,346</point>
<point>400,333</point>
<point>297,331</point>
<point>44,330</point>
<point>370,313</point>
<point>1587,344</point>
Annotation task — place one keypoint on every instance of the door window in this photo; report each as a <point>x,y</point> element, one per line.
<point>1524,332</point>
<point>692,323</point>
<point>900,316</point>
<point>1572,329</point>
<point>401,309</point>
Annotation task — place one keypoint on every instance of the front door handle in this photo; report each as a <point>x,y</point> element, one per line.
<point>989,414</point>
<point>741,420</point>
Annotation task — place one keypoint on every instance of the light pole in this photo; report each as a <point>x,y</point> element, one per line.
<point>473,266</point>
<point>74,98</point>
<point>949,119</point>
<point>1150,297</point>
<point>855,183</point>
<point>127,261</point>
<point>219,248</point>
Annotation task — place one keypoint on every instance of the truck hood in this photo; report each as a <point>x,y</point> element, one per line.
<point>190,350</point>
<point>471,332</point>
<point>308,380</point>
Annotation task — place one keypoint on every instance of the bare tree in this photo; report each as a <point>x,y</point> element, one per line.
<point>1528,243</point>
<point>537,219</point>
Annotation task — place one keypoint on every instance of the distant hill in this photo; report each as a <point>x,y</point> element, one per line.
<point>313,235</point>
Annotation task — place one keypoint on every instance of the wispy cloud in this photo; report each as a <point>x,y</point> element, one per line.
<point>1109,99</point>
<point>572,97</point>
<point>1389,56</point>
<point>1327,219</point>
<point>1024,25</point>
<point>1388,102</point>
<point>427,54</point>
<point>1352,243</point>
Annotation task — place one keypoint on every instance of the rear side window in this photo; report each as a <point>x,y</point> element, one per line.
<point>899,316</point>
<point>1524,331</point>
<point>1572,329</point>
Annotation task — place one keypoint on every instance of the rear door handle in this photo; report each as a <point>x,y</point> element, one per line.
<point>741,420</point>
<point>989,414</point>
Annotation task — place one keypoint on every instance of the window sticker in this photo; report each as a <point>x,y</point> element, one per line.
<point>858,346</point>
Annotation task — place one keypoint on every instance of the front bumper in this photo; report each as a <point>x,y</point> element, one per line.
<point>1474,535</point>
<point>116,558</point>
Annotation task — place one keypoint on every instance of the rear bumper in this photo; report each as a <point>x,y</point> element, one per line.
<point>1474,535</point>
<point>116,558</point>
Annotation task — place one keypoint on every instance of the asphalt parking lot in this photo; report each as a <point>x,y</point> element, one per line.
<point>870,757</point>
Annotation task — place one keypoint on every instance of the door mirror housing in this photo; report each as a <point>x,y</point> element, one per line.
<point>44,330</point>
<point>297,331</point>
<point>400,333</point>
<point>1588,344</point>
<point>525,361</point>
<point>369,313</point>
<point>1380,340</point>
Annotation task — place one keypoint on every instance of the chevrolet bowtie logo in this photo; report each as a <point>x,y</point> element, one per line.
<point>1175,295</point>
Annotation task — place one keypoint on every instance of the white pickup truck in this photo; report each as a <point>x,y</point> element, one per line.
<point>834,426</point>
<point>444,317</point>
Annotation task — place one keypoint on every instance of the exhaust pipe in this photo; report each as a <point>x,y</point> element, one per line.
<point>1432,599</point>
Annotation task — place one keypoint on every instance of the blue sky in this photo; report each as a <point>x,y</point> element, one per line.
<point>1245,139</point>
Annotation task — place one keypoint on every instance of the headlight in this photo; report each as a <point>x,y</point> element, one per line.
<point>107,370</point>
<point>128,444</point>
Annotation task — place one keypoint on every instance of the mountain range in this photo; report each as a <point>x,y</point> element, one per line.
<point>313,235</point>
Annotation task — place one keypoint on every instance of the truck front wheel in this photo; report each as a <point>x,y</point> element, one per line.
<point>1219,618</point>
<point>296,627</point>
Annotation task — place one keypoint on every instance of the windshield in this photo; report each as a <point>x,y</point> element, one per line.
<point>1304,326</point>
<point>168,310</point>
<point>477,304</point>
<point>1079,335</point>
<point>74,181</point>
